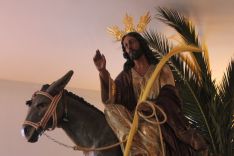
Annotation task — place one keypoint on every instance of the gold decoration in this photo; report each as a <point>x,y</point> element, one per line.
<point>128,22</point>
<point>144,20</point>
<point>116,32</point>
<point>129,26</point>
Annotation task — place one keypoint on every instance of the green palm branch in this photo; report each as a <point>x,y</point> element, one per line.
<point>226,94</point>
<point>209,107</point>
<point>158,42</point>
<point>185,29</point>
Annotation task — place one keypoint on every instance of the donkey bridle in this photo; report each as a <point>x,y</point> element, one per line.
<point>51,111</point>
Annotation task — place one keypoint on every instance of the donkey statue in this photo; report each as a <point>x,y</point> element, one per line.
<point>53,106</point>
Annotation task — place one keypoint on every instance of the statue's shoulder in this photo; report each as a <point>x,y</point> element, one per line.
<point>123,75</point>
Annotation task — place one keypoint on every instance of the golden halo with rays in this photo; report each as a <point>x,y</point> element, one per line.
<point>117,33</point>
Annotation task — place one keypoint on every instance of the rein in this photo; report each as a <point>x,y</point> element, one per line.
<point>51,111</point>
<point>85,149</point>
<point>152,106</point>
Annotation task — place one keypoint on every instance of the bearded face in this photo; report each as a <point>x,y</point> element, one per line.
<point>136,54</point>
<point>132,47</point>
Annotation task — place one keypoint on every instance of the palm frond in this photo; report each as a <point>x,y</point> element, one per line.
<point>227,86</point>
<point>191,63</point>
<point>181,24</point>
<point>198,92</point>
<point>226,94</point>
<point>161,46</point>
<point>158,42</point>
<point>207,106</point>
<point>185,28</point>
<point>206,55</point>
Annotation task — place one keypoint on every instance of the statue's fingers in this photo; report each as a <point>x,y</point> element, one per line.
<point>103,57</point>
<point>97,55</point>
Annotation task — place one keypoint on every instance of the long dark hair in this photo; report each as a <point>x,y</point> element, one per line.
<point>144,46</point>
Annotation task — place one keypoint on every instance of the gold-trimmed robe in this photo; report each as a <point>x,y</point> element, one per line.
<point>180,139</point>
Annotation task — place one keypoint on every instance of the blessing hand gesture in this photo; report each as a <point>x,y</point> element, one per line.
<point>99,61</point>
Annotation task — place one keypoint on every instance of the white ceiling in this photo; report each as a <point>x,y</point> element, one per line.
<point>52,36</point>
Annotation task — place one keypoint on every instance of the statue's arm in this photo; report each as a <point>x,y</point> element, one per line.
<point>166,77</point>
<point>107,87</point>
<point>106,82</point>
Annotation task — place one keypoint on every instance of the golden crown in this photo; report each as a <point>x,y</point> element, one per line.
<point>129,26</point>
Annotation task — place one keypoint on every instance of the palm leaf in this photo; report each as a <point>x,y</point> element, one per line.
<point>158,42</point>
<point>226,94</point>
<point>197,91</point>
<point>177,21</point>
<point>185,28</point>
<point>208,107</point>
<point>161,46</point>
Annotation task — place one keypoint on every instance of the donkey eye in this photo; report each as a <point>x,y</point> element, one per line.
<point>40,105</point>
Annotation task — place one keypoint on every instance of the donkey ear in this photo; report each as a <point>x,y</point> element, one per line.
<point>60,84</point>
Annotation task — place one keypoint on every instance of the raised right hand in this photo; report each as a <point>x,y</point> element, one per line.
<point>99,61</point>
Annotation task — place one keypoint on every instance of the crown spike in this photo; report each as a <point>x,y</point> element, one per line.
<point>116,32</point>
<point>144,21</point>
<point>128,22</point>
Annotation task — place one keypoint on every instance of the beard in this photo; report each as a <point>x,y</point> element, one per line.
<point>136,54</point>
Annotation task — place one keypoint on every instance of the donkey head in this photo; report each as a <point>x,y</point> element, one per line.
<point>45,109</point>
